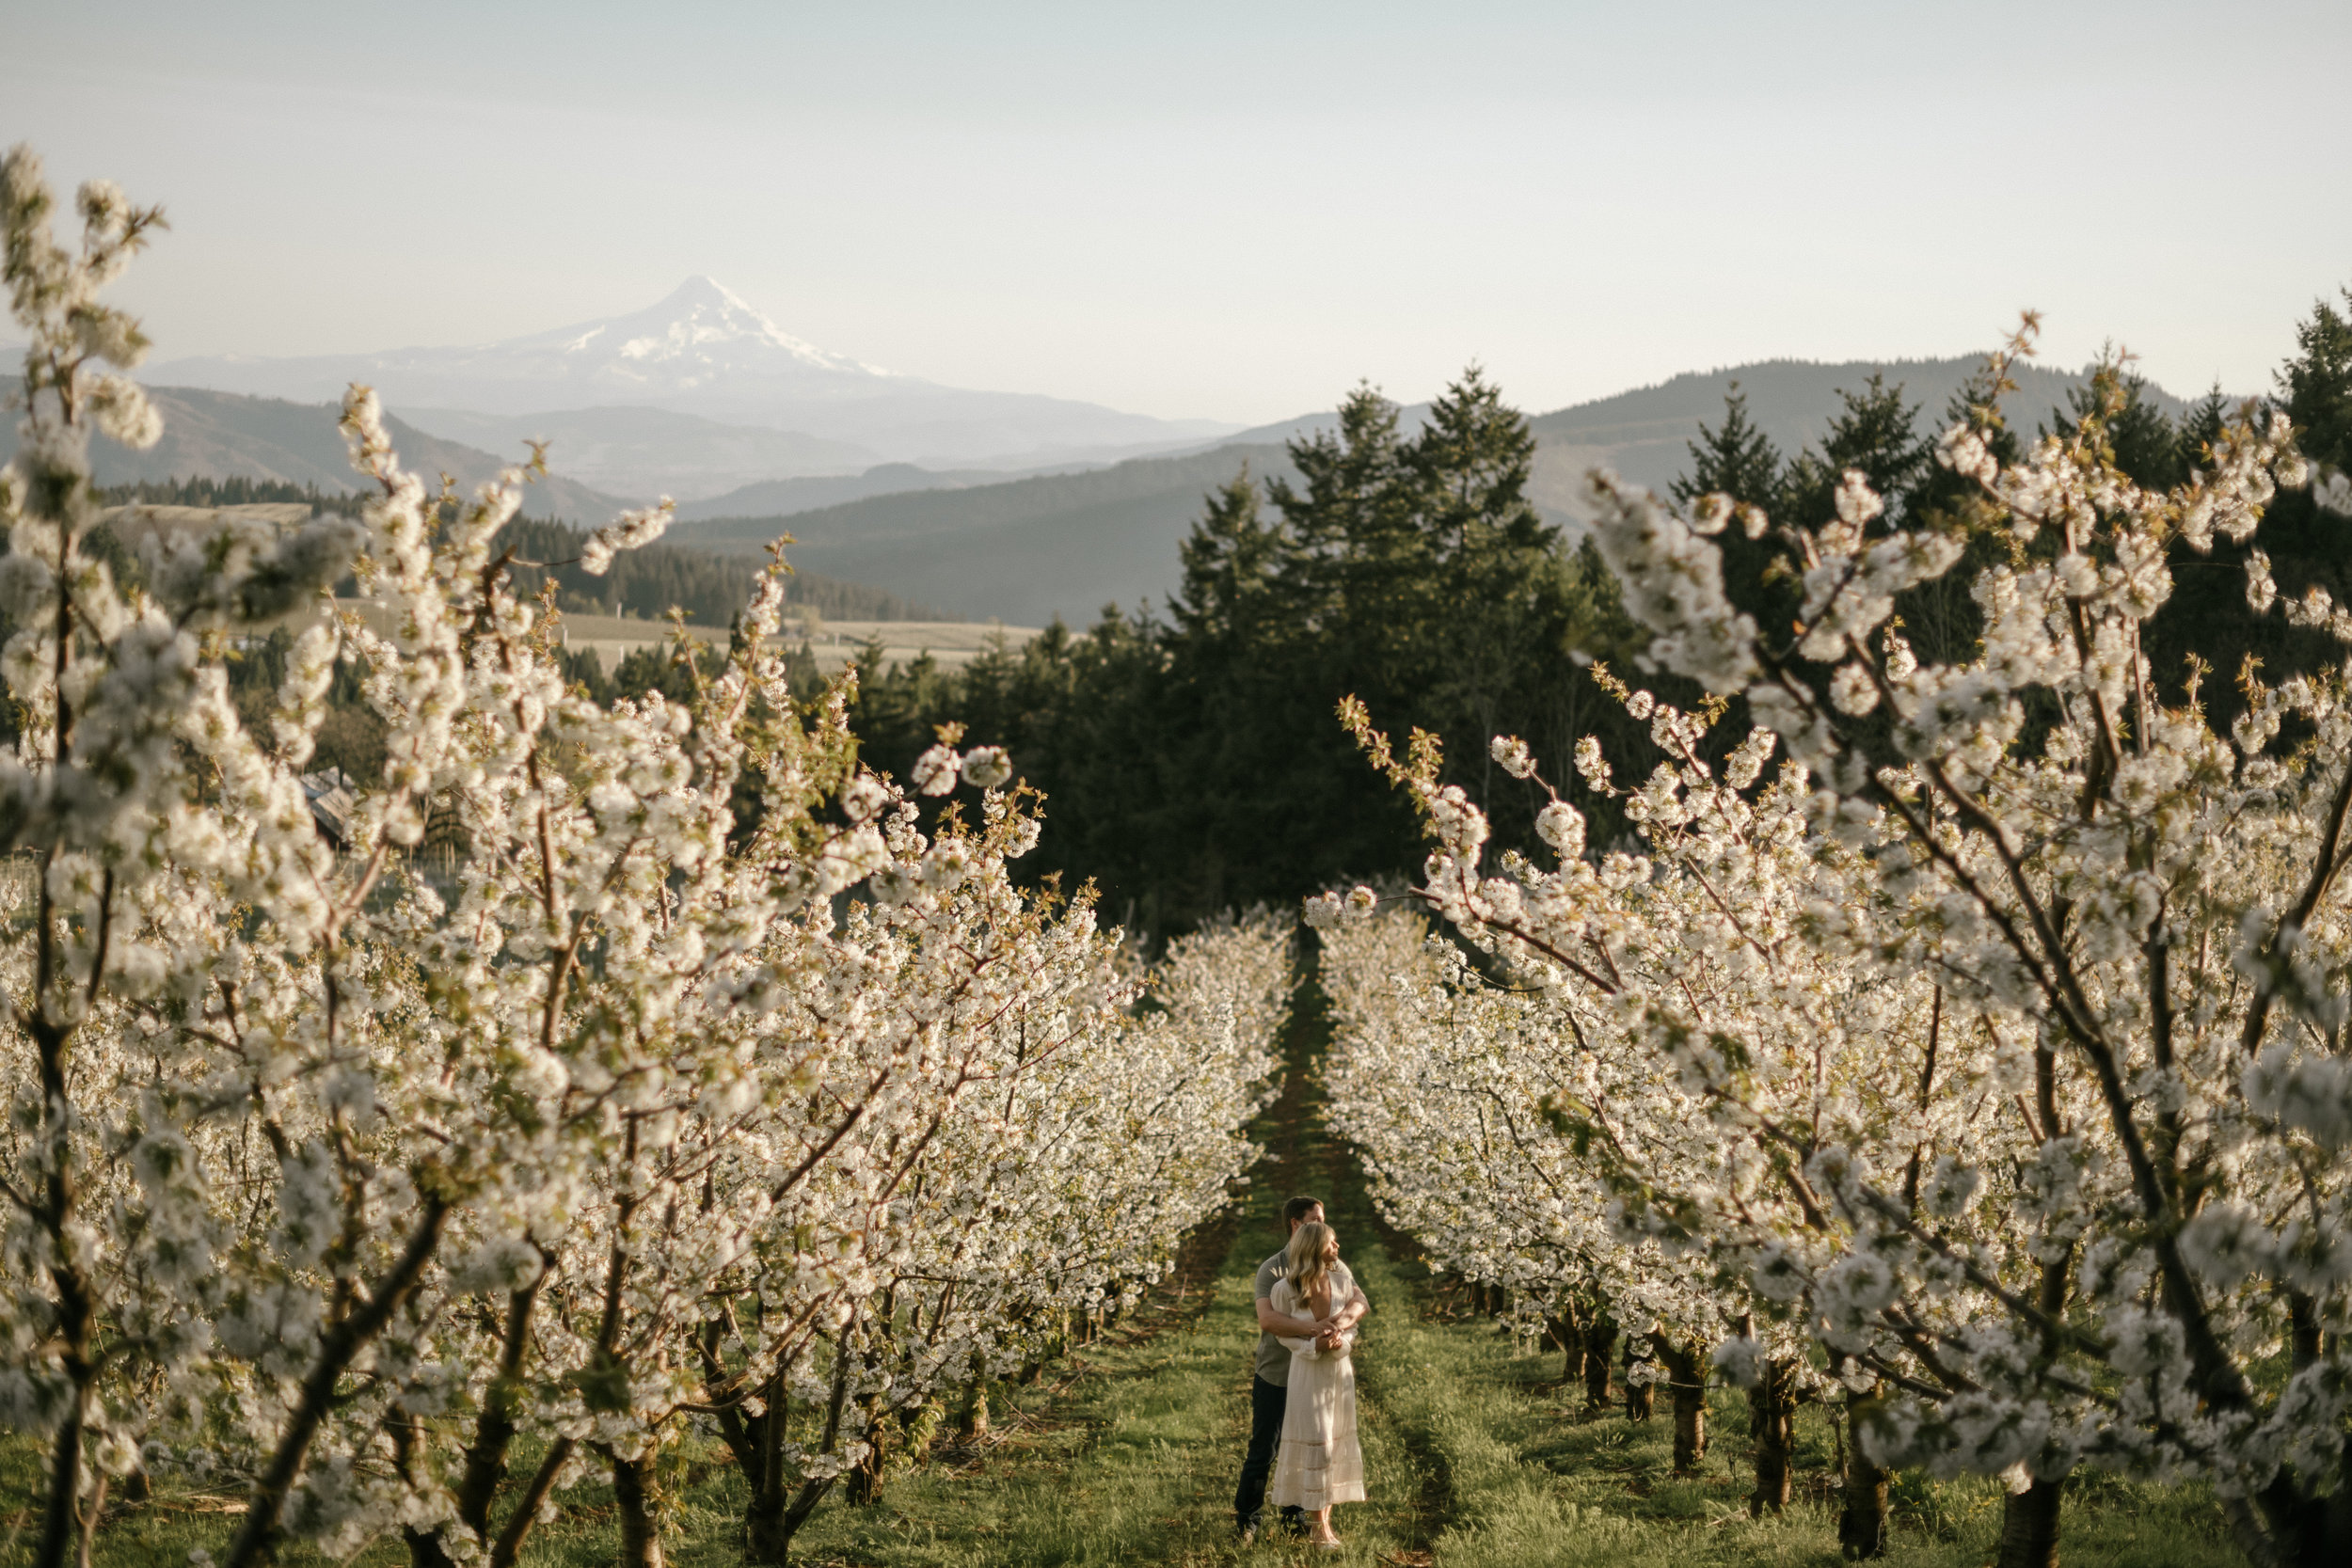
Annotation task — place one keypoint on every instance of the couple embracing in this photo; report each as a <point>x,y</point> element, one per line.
<point>1304,1394</point>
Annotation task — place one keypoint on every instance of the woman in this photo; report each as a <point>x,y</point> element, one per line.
<point>1320,1463</point>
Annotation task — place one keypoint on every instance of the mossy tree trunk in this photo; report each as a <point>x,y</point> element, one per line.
<point>636,1493</point>
<point>1686,1367</point>
<point>2029,1525</point>
<point>1862,1515</point>
<point>1772,1422</point>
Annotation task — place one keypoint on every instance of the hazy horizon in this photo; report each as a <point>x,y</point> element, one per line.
<point>1225,214</point>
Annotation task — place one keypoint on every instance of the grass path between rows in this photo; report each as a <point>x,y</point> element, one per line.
<point>1127,1452</point>
<point>1475,1456</point>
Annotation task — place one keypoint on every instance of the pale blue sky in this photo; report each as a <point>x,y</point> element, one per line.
<point>1225,211</point>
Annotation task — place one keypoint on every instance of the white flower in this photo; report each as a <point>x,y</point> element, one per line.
<point>1737,1359</point>
<point>1562,826</point>
<point>1853,691</point>
<point>630,531</point>
<point>1510,754</point>
<point>987,767</point>
<point>1963,451</point>
<point>865,798</point>
<point>934,771</point>
<point>1712,512</point>
<point>1857,503</point>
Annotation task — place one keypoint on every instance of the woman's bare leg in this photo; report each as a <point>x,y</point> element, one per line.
<point>1321,1529</point>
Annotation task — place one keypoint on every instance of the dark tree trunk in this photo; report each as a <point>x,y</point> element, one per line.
<point>63,1532</point>
<point>2029,1519</point>
<point>775,1547</point>
<point>776,1512</point>
<point>637,1494</point>
<point>1862,1520</point>
<point>1686,1370</point>
<point>1689,1427</point>
<point>61,1519</point>
<point>2029,1525</point>
<point>494,1430</point>
<point>1569,1336</point>
<point>1772,1421</point>
<point>1600,1339</point>
<point>2303,1335</point>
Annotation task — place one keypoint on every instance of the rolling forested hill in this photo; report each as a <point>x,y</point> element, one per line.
<point>782,498</point>
<point>1645,434</point>
<point>647,582</point>
<point>1022,552</point>
<point>221,436</point>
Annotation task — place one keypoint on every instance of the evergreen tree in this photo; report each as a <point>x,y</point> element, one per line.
<point>2315,387</point>
<point>1197,764</point>
<point>1734,459</point>
<point>1876,433</point>
<point>2201,426</point>
<point>1941,617</point>
<point>2309,543</point>
<point>2135,435</point>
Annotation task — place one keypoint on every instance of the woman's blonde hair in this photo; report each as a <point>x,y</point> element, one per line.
<point>1315,1247</point>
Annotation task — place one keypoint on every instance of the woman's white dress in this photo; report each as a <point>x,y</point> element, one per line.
<point>1320,1463</point>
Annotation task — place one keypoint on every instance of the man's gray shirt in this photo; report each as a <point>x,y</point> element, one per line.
<point>1273,1357</point>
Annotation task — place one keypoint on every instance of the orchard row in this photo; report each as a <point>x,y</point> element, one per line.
<point>1964,1046</point>
<point>726,1093</point>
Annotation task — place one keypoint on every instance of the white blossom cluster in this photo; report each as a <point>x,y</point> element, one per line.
<point>2005,1062</point>
<point>1453,1089</point>
<point>347,1189</point>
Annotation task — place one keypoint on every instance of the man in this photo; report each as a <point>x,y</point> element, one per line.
<point>1268,1389</point>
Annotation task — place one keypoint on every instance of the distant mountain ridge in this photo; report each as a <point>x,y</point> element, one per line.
<point>1067,544</point>
<point>1027,547</point>
<point>705,351</point>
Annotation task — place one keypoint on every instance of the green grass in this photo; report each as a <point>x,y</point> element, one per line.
<point>1127,1454</point>
<point>1532,1481</point>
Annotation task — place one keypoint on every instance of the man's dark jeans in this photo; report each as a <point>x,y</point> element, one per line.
<point>1266,1401</point>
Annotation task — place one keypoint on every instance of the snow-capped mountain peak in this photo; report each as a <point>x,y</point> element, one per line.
<point>702,331</point>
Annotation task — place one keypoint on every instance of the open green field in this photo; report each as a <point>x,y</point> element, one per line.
<point>1127,1451</point>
